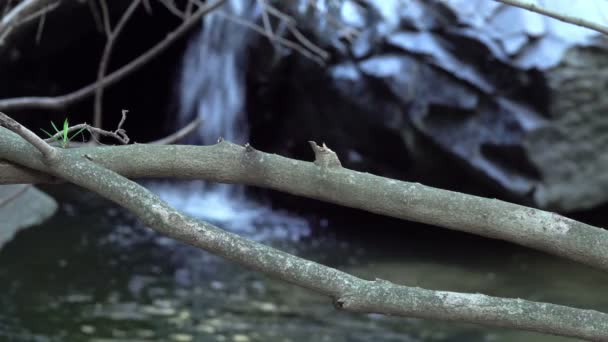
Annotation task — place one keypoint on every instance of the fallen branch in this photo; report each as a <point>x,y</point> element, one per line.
<point>61,102</point>
<point>228,163</point>
<point>348,292</point>
<point>557,15</point>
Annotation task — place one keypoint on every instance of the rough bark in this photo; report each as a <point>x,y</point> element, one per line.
<point>229,163</point>
<point>348,292</point>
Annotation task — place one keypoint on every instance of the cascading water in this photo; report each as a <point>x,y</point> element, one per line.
<point>213,76</point>
<point>212,87</point>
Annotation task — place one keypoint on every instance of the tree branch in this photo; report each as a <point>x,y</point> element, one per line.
<point>47,151</point>
<point>112,36</point>
<point>180,134</point>
<point>228,163</point>
<point>20,13</point>
<point>61,102</point>
<point>348,292</point>
<point>557,15</point>
<point>119,133</point>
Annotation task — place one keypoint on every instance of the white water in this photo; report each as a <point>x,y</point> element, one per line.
<point>212,87</point>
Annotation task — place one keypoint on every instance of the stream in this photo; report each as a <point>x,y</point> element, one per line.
<point>93,273</point>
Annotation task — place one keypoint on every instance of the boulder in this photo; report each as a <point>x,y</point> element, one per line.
<point>509,97</point>
<point>22,206</point>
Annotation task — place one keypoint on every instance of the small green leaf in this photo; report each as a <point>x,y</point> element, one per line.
<point>57,140</point>
<point>47,133</point>
<point>55,127</point>
<point>65,131</point>
<point>79,131</point>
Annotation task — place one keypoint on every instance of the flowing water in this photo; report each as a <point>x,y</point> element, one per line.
<point>212,87</point>
<point>93,273</point>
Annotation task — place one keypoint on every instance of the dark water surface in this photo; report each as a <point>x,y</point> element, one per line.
<point>92,273</point>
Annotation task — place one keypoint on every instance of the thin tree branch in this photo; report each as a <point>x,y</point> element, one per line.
<point>557,15</point>
<point>96,16</point>
<point>283,41</point>
<point>40,28</point>
<point>61,102</point>
<point>119,134</point>
<point>348,292</point>
<point>18,15</point>
<point>105,60</point>
<point>47,151</point>
<point>180,134</point>
<point>41,12</point>
<point>171,7</point>
<point>105,16</point>
<point>292,26</point>
<point>227,163</point>
<point>7,6</point>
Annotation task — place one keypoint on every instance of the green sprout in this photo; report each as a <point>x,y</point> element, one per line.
<point>63,138</point>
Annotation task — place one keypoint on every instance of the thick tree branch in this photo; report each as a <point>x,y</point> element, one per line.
<point>228,163</point>
<point>61,102</point>
<point>557,15</point>
<point>348,292</point>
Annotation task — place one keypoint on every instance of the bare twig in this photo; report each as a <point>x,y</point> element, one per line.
<point>147,6</point>
<point>7,6</point>
<point>8,199</point>
<point>283,41</point>
<point>189,8</point>
<point>21,13</point>
<point>180,134</point>
<point>96,15</point>
<point>266,19</point>
<point>119,134</point>
<point>105,16</point>
<point>171,7</point>
<point>105,59</point>
<point>557,15</point>
<point>41,12</point>
<point>292,26</point>
<point>40,29</point>
<point>60,102</point>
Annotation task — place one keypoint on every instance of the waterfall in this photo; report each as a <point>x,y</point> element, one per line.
<point>212,87</point>
<point>213,75</point>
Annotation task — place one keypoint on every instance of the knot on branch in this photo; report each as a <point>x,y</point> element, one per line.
<point>324,156</point>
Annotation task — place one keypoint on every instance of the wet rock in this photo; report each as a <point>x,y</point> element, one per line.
<point>511,98</point>
<point>571,151</point>
<point>22,206</point>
